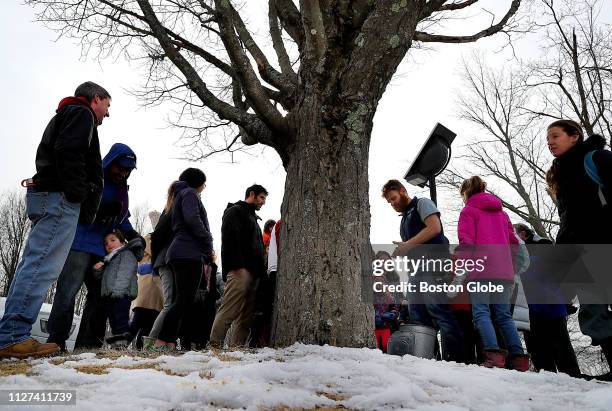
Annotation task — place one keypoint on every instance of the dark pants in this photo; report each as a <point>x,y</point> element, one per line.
<point>117,310</point>
<point>471,340</point>
<point>141,324</point>
<point>549,345</point>
<point>432,310</point>
<point>70,280</point>
<point>197,322</point>
<point>93,319</point>
<point>264,304</point>
<point>187,275</point>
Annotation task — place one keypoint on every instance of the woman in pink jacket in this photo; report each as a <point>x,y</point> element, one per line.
<point>483,222</point>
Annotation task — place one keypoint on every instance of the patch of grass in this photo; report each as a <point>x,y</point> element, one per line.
<point>92,369</point>
<point>103,369</point>
<point>226,357</point>
<point>114,354</point>
<point>15,368</point>
<point>332,396</point>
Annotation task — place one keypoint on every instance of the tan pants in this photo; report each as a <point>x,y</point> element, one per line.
<point>237,308</point>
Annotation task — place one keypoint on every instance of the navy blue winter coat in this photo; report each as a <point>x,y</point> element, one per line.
<point>191,233</point>
<point>90,238</point>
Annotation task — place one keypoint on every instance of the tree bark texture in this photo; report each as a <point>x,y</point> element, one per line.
<point>325,234</point>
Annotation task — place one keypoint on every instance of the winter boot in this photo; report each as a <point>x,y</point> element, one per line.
<point>494,358</point>
<point>29,348</point>
<point>519,362</point>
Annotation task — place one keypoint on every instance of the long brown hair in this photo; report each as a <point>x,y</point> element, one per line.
<point>170,197</point>
<point>572,128</point>
<point>471,186</point>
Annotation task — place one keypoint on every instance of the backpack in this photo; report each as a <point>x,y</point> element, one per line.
<point>591,170</point>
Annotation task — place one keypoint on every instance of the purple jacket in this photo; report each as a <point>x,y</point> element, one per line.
<point>483,222</point>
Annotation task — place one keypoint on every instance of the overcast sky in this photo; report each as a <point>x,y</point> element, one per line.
<point>37,71</point>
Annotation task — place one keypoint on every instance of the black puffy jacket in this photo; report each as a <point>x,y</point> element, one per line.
<point>583,219</point>
<point>241,240</point>
<point>68,158</point>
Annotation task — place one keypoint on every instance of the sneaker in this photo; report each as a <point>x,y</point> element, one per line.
<point>147,342</point>
<point>161,349</point>
<point>29,348</point>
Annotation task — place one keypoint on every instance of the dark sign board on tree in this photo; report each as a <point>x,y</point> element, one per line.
<point>432,159</point>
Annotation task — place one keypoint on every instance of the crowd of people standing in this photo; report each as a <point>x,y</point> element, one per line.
<point>579,182</point>
<point>81,234</point>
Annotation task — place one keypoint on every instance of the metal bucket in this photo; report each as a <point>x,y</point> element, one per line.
<point>413,339</point>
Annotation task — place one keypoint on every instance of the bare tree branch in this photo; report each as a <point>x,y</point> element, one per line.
<point>489,31</point>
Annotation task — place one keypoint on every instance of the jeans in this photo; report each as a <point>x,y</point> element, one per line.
<point>54,220</point>
<point>165,274</point>
<point>495,306</point>
<point>68,285</point>
<point>432,310</point>
<point>187,275</point>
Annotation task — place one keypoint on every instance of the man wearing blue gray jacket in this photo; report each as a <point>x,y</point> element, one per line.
<point>87,249</point>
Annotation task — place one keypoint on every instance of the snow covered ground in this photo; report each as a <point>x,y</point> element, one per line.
<point>298,377</point>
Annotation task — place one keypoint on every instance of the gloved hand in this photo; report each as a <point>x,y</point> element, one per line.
<point>109,213</point>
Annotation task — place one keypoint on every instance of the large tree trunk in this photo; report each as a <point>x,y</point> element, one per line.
<point>326,211</point>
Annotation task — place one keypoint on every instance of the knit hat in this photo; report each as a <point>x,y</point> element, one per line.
<point>194,177</point>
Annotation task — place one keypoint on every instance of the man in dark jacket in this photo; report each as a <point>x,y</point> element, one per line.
<point>65,190</point>
<point>87,249</point>
<point>243,261</point>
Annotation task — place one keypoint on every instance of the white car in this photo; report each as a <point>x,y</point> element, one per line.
<point>39,328</point>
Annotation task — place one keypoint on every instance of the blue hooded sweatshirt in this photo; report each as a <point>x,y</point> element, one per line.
<point>90,238</point>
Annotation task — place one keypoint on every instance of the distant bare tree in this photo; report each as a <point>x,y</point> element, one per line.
<point>511,156</point>
<point>140,219</point>
<point>14,228</point>
<point>573,78</point>
<point>51,293</point>
<point>154,217</point>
